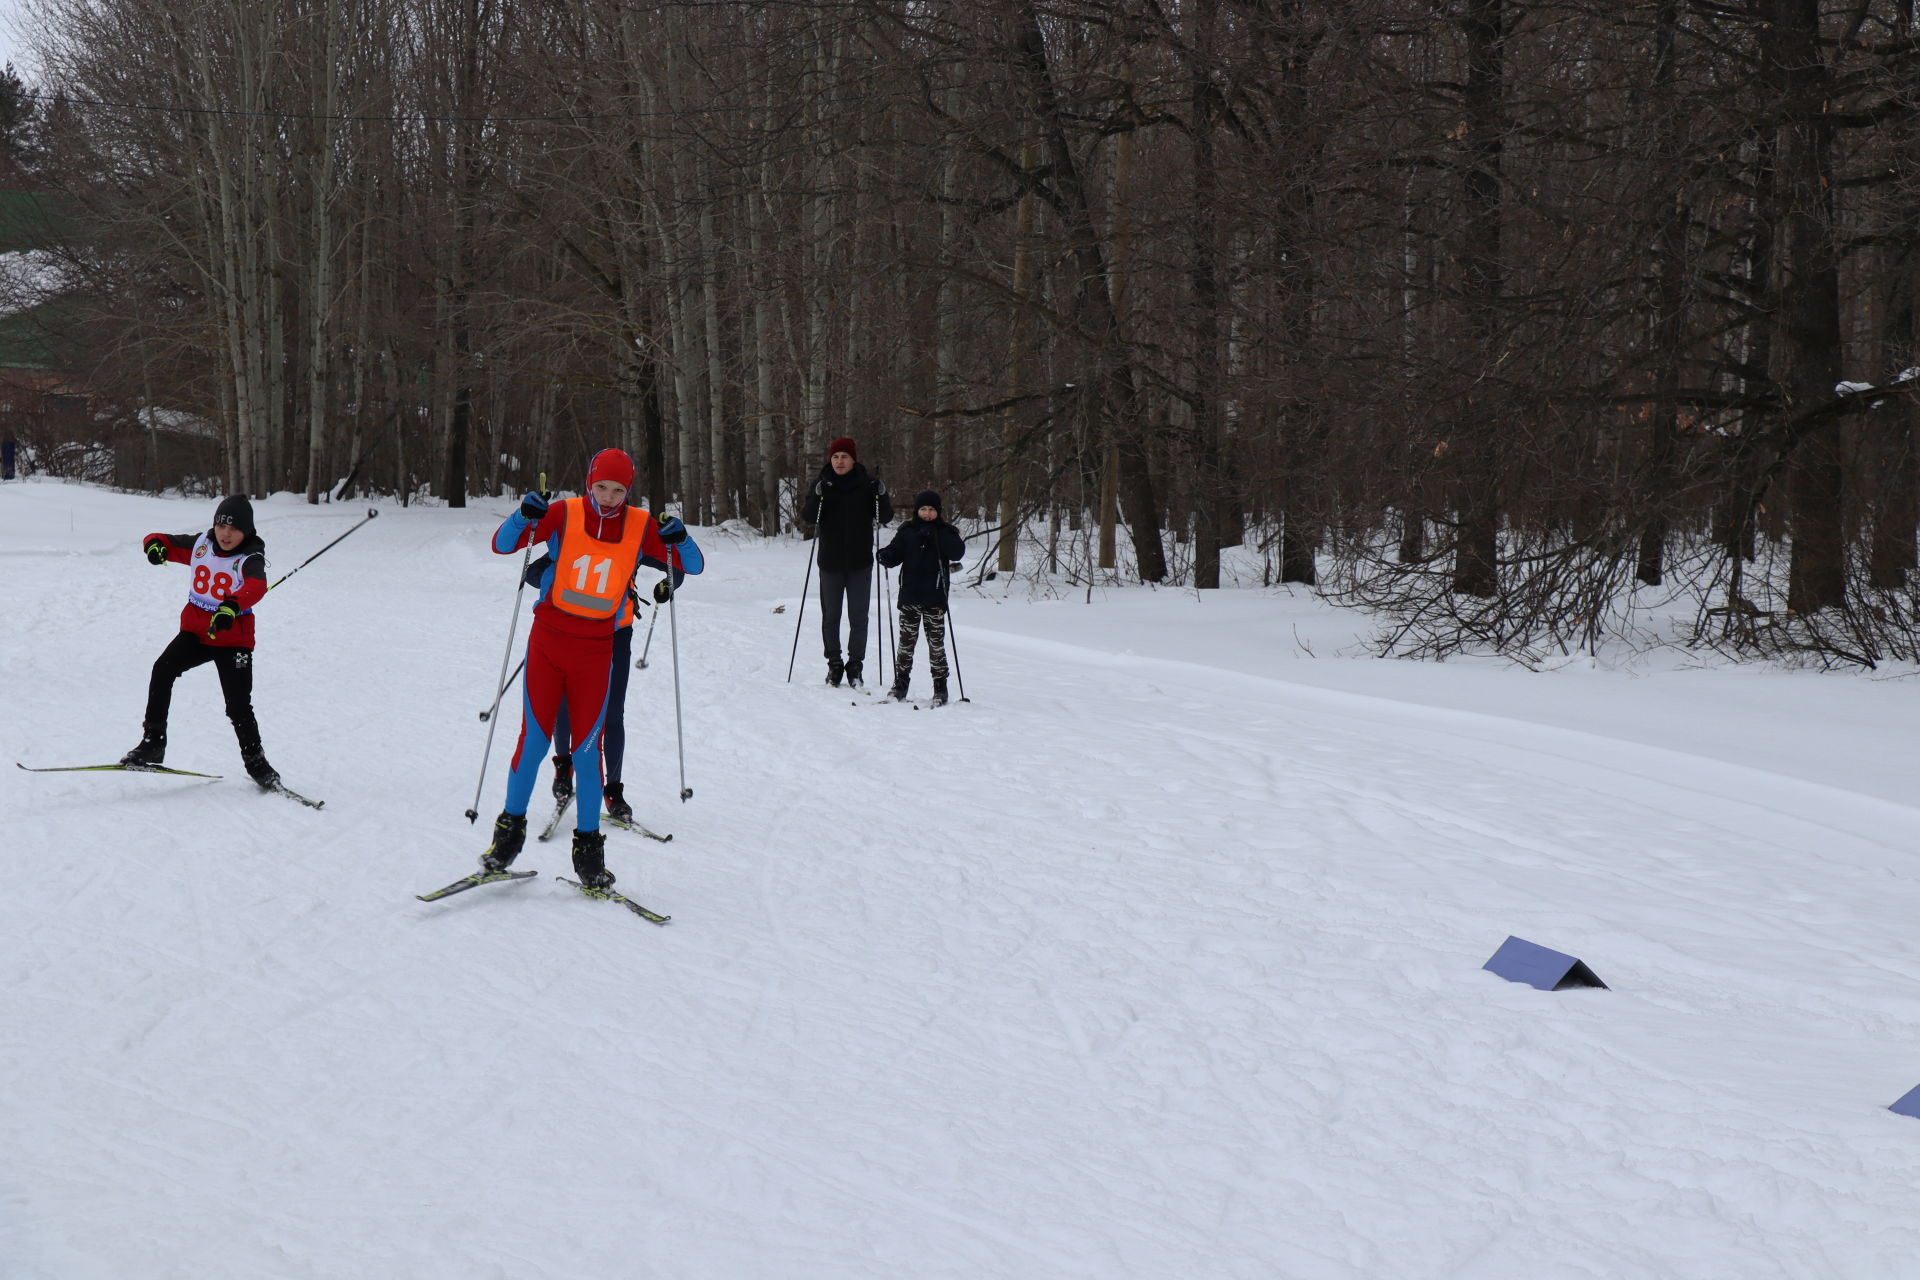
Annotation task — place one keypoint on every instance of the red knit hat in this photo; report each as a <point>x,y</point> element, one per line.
<point>610,464</point>
<point>844,445</point>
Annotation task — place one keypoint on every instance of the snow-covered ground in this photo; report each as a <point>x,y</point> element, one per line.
<point>1159,958</point>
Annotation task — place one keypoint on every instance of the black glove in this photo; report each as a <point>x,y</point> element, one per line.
<point>819,488</point>
<point>534,505</point>
<point>662,591</point>
<point>156,552</point>
<point>222,618</point>
<point>672,532</point>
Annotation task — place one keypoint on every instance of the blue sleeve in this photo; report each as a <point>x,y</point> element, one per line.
<point>506,539</point>
<point>691,561</point>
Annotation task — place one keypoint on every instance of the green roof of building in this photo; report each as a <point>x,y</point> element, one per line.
<point>38,338</point>
<point>31,220</point>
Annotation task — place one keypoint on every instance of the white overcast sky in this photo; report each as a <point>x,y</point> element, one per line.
<point>13,43</point>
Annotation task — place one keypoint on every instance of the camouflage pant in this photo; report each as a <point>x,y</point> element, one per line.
<point>912,616</point>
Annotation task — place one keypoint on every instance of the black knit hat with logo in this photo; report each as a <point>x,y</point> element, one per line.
<point>236,511</point>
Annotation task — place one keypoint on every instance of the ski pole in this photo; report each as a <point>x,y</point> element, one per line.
<point>804,588</point>
<point>526,558</point>
<point>679,734</point>
<point>372,512</point>
<point>879,595</point>
<point>887,619</point>
<point>953,641</point>
<point>889,628</point>
<point>642,664</point>
<point>488,713</point>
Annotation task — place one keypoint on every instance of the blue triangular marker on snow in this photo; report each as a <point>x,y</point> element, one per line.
<point>1518,960</point>
<point>1909,1104</point>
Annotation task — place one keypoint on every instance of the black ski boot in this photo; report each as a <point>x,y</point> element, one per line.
<point>854,680</point>
<point>899,691</point>
<point>939,691</point>
<point>617,806</point>
<point>151,751</point>
<point>590,859</point>
<point>246,730</point>
<point>835,669</point>
<point>509,837</point>
<point>562,778</point>
<point>263,774</point>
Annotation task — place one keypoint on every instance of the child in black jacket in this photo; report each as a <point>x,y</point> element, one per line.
<point>923,550</point>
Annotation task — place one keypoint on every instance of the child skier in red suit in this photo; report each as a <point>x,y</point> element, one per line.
<point>216,625</point>
<point>595,543</point>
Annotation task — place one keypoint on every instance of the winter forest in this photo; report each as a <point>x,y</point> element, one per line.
<point>1507,320</point>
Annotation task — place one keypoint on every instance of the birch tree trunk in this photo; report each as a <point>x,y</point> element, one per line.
<point>1017,316</point>
<point>1476,548</point>
<point>320,265</point>
<point>720,505</point>
<point>1115,384</point>
<point>1211,490</point>
<point>1122,267</point>
<point>1790,45</point>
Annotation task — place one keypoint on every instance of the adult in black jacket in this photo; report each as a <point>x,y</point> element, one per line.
<point>843,505</point>
<point>924,549</point>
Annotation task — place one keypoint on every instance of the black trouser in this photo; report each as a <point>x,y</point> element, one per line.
<point>856,585</point>
<point>236,685</point>
<point>912,616</point>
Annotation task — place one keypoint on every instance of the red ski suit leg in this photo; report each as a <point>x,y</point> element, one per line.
<point>572,670</point>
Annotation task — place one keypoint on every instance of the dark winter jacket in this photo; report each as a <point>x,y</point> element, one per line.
<point>921,551</point>
<point>845,508</point>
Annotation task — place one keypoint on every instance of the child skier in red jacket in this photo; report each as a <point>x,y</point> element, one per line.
<point>216,625</point>
<point>595,543</point>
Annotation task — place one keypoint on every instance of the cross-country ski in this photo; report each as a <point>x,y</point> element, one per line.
<point>474,881</point>
<point>115,768</point>
<point>636,828</point>
<point>613,895</point>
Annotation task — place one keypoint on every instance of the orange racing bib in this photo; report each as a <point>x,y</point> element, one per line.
<point>590,577</point>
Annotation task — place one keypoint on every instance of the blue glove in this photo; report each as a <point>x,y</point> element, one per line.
<point>662,591</point>
<point>533,506</point>
<point>672,532</point>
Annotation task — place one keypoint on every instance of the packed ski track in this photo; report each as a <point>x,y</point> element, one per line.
<point>1155,958</point>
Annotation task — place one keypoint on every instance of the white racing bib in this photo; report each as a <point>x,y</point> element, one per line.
<point>216,575</point>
